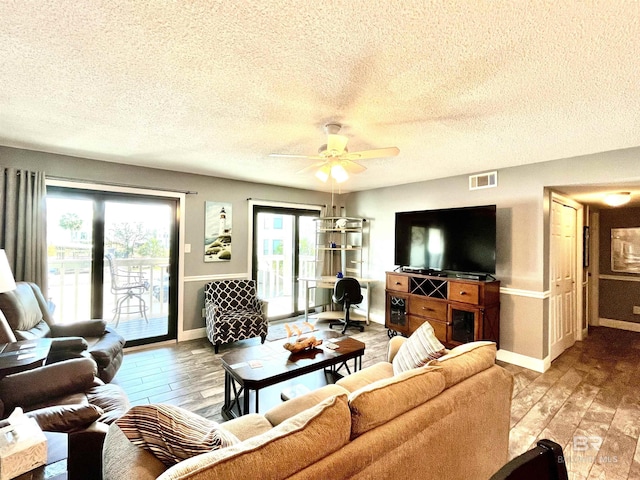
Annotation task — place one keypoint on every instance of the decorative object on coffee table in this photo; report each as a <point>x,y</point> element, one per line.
<point>302,343</point>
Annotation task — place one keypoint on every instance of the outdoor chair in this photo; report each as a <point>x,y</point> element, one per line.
<point>126,287</point>
<point>234,312</point>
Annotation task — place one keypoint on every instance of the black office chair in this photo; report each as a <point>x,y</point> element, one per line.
<point>544,462</point>
<point>346,292</point>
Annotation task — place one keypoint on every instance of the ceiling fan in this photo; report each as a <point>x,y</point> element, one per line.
<point>334,160</point>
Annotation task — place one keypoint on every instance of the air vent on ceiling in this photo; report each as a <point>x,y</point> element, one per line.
<point>483,180</point>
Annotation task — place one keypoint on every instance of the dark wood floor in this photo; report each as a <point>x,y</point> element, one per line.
<point>189,374</point>
<point>588,401</point>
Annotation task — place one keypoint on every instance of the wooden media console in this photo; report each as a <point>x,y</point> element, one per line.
<point>459,310</point>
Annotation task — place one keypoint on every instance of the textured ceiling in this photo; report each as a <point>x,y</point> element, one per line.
<point>213,87</point>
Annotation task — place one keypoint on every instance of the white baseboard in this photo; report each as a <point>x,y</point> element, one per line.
<point>524,361</point>
<point>192,334</point>
<point>608,322</point>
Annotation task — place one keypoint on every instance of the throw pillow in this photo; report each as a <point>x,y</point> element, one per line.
<point>172,433</point>
<point>421,347</point>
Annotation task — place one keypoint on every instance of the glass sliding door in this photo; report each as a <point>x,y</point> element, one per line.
<point>113,256</point>
<point>283,250</point>
<point>137,246</point>
<point>274,265</point>
<point>69,251</point>
<point>306,254</point>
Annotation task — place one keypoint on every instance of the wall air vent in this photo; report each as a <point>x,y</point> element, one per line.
<point>483,180</point>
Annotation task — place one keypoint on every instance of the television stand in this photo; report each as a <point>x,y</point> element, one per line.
<point>472,276</point>
<point>460,310</point>
<point>424,271</point>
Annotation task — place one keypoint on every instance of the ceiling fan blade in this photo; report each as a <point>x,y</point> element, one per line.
<point>376,153</point>
<point>287,155</point>
<point>352,167</point>
<point>312,167</point>
<point>336,143</point>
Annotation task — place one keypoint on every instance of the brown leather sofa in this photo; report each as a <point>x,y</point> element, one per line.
<point>67,397</point>
<point>24,315</point>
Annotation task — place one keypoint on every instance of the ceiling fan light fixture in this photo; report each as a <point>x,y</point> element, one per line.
<point>617,199</point>
<point>334,159</point>
<point>323,172</point>
<point>338,173</point>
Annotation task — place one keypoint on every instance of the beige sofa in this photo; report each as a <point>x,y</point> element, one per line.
<point>448,420</point>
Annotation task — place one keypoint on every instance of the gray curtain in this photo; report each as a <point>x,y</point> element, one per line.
<point>23,222</point>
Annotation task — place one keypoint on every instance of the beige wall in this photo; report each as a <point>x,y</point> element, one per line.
<point>522,201</point>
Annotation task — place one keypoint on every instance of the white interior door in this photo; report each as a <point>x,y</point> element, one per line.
<point>563,269</point>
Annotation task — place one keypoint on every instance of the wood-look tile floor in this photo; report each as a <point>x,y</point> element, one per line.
<point>588,401</point>
<point>189,374</point>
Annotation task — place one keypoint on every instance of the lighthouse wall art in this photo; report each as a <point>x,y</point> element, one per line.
<point>217,232</point>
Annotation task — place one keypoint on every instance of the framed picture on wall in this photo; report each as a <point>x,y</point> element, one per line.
<point>625,250</point>
<point>217,232</point>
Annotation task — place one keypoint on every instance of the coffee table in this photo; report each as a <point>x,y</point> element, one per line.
<point>254,368</point>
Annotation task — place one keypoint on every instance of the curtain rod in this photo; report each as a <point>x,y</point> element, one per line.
<point>19,172</point>
<point>123,185</point>
<point>289,203</point>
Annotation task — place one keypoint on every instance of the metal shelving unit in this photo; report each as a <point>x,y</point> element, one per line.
<point>339,246</point>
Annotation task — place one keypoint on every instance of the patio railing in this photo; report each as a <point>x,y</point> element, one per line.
<point>70,287</point>
<point>275,282</point>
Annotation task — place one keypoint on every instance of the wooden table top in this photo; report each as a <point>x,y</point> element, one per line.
<point>272,363</point>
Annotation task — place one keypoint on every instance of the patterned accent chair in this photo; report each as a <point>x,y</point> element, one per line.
<point>234,312</point>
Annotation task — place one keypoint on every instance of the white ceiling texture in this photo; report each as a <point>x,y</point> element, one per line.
<point>214,87</point>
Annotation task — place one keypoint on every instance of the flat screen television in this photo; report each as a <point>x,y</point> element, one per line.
<point>455,240</point>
